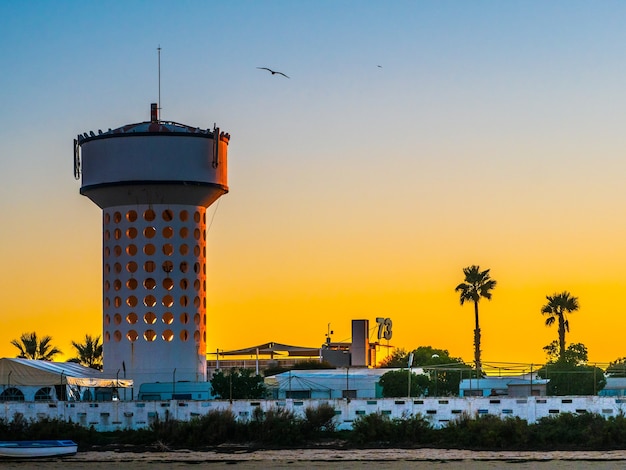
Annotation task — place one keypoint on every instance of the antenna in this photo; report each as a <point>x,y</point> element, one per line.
<point>159,57</point>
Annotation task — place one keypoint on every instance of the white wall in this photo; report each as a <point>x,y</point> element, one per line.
<point>109,416</point>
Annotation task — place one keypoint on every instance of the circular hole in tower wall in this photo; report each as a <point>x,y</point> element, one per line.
<point>149,318</point>
<point>132,336</point>
<point>149,215</point>
<point>168,301</point>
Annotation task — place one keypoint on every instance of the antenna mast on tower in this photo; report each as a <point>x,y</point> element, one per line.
<point>159,59</point>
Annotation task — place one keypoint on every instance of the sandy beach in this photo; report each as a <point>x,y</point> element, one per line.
<point>325,458</point>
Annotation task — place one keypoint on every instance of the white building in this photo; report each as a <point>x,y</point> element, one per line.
<point>503,386</point>
<point>356,382</point>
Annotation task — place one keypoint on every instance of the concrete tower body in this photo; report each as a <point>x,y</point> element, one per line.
<point>153,181</point>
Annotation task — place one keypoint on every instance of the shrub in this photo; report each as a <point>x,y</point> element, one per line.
<point>46,428</point>
<point>485,432</point>
<point>414,429</point>
<point>276,426</point>
<point>372,428</point>
<point>216,427</point>
<point>319,419</point>
<point>585,430</point>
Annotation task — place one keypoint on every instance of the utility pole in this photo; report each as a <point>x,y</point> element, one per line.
<point>409,368</point>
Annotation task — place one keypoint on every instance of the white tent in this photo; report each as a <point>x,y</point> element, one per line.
<point>28,372</point>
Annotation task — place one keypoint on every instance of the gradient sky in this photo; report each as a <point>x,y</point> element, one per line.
<point>492,134</point>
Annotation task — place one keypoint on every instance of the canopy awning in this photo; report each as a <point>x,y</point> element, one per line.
<point>272,349</point>
<point>16,371</point>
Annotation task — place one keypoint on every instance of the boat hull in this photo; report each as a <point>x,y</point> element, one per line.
<point>37,449</point>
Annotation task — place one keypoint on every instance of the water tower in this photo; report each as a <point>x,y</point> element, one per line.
<point>153,181</point>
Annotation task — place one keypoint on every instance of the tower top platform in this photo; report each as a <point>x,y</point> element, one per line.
<point>152,128</point>
<point>152,162</point>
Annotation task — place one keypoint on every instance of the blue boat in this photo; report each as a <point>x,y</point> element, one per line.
<point>35,449</point>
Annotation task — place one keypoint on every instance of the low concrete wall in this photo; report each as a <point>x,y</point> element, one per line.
<point>110,416</point>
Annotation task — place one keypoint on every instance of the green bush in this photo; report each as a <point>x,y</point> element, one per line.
<point>412,429</point>
<point>319,419</point>
<point>373,428</point>
<point>485,432</point>
<point>276,426</point>
<point>216,427</point>
<point>580,431</point>
<point>280,427</point>
<point>46,428</point>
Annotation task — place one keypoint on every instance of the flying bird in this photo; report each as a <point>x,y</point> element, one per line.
<point>274,72</point>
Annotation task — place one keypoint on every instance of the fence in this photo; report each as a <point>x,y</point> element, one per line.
<point>110,416</point>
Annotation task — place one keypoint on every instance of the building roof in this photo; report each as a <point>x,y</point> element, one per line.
<point>16,371</point>
<point>273,348</point>
<point>498,382</point>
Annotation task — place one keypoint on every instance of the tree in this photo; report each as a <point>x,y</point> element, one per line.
<point>300,365</point>
<point>566,378</point>
<point>477,285</point>
<point>398,358</point>
<point>31,347</point>
<point>238,384</point>
<point>557,307</point>
<point>617,368</point>
<point>445,372</point>
<point>568,373</point>
<point>89,353</point>
<point>395,383</point>
<point>575,354</point>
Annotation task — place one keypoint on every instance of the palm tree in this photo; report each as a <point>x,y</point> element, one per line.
<point>477,284</point>
<point>31,347</point>
<point>89,352</point>
<point>556,309</point>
